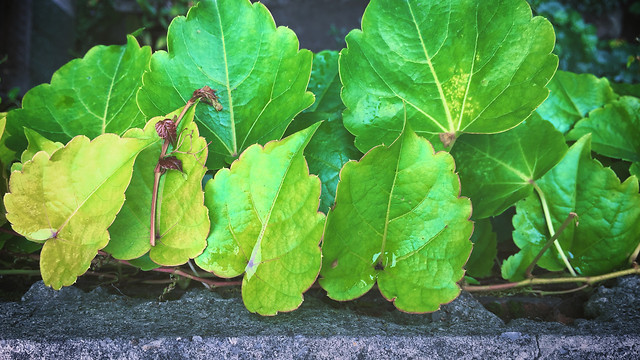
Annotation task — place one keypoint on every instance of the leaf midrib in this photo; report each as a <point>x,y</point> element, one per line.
<point>433,71</point>
<point>99,186</point>
<point>227,82</point>
<point>265,223</point>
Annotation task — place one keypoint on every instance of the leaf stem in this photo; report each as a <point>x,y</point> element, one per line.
<point>589,280</point>
<point>206,94</point>
<point>209,283</point>
<point>158,173</point>
<point>552,240</point>
<point>547,217</point>
<point>634,254</point>
<point>154,203</point>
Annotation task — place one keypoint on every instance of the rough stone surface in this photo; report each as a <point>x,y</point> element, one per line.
<point>72,324</point>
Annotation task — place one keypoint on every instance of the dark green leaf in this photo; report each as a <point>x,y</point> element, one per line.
<point>332,145</point>
<point>497,170</point>
<point>615,129</point>
<point>484,251</point>
<point>572,97</point>
<point>608,215</point>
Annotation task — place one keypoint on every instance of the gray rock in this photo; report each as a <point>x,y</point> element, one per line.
<point>202,324</point>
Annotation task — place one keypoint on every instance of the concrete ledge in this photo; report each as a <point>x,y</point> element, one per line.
<point>71,324</point>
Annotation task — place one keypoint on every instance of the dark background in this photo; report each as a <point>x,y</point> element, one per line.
<point>39,36</point>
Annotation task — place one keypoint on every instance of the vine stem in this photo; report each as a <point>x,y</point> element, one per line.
<point>20,272</point>
<point>547,217</point>
<point>208,283</point>
<point>588,280</point>
<point>552,240</point>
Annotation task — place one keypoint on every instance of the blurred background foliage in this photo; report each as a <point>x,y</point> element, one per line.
<point>107,21</point>
<point>596,36</point>
<point>593,36</point>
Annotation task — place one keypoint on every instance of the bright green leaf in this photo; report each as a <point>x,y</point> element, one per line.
<point>182,220</point>
<point>332,145</point>
<point>89,96</point>
<point>497,170</point>
<point>234,47</point>
<point>69,200</point>
<point>398,219</point>
<point>608,215</point>
<point>449,67</point>
<point>265,223</point>
<point>572,97</point>
<point>615,129</point>
<point>484,251</point>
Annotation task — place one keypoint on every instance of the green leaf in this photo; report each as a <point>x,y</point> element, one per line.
<point>89,96</point>
<point>608,215</point>
<point>325,83</point>
<point>398,219</point>
<point>6,155</point>
<point>234,47</point>
<point>38,143</point>
<point>615,129</point>
<point>624,89</point>
<point>572,97</point>
<point>497,170</point>
<point>635,169</point>
<point>484,251</point>
<point>265,223</point>
<point>449,67</point>
<point>20,245</point>
<point>69,200</point>
<point>332,145</point>
<point>330,148</point>
<point>182,219</point>
<point>144,263</point>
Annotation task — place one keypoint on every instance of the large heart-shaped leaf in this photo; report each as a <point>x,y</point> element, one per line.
<point>572,97</point>
<point>455,66</point>
<point>398,219</point>
<point>608,214</point>
<point>498,170</point>
<point>89,96</point>
<point>69,200</point>
<point>332,145</point>
<point>182,220</point>
<point>265,223</point>
<point>615,129</point>
<point>234,47</point>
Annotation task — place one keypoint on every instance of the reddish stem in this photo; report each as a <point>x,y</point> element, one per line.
<point>158,172</point>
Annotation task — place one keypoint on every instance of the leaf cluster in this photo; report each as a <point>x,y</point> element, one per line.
<point>382,166</point>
